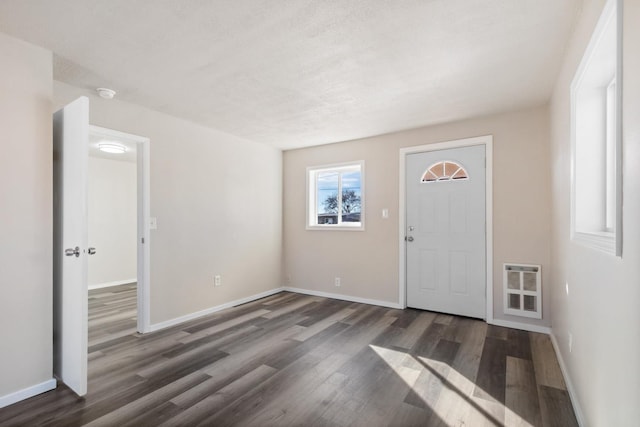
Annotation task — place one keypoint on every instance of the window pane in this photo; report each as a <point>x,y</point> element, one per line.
<point>513,280</point>
<point>445,171</point>
<point>530,281</point>
<point>336,197</point>
<point>595,139</point>
<point>529,303</point>
<point>327,197</point>
<point>351,196</point>
<point>514,301</point>
<point>461,174</point>
<point>450,168</point>
<point>429,177</point>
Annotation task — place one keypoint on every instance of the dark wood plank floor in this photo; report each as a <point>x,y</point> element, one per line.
<point>299,360</point>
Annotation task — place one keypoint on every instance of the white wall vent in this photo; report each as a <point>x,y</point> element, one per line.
<point>522,290</point>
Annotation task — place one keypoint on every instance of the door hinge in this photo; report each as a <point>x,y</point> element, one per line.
<point>142,240</point>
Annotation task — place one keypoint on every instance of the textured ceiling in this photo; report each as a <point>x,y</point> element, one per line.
<point>295,73</point>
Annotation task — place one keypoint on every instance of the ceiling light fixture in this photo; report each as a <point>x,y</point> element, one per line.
<point>112,147</point>
<point>106,93</point>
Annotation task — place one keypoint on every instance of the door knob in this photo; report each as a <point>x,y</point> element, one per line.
<point>92,251</point>
<point>409,238</point>
<point>72,252</point>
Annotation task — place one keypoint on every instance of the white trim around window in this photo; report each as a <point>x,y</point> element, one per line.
<point>335,222</point>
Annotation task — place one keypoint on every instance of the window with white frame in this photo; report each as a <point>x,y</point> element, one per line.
<point>446,170</point>
<point>335,197</point>
<point>596,139</point>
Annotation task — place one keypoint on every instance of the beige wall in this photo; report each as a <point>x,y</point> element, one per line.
<point>601,309</point>
<point>112,220</point>
<point>367,261</point>
<point>218,202</point>
<point>25,216</point>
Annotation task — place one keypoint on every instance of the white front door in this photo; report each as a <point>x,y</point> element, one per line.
<point>446,238</point>
<point>70,160</point>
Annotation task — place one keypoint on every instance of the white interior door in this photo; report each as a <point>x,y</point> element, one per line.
<point>70,145</point>
<point>446,238</point>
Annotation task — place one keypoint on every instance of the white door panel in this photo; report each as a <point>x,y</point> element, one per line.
<point>70,145</point>
<point>445,248</point>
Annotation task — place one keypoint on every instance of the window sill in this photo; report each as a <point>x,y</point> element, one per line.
<point>602,241</point>
<point>335,228</point>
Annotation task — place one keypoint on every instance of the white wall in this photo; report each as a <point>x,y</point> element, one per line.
<point>112,221</point>
<point>367,261</point>
<point>601,309</point>
<point>218,202</point>
<point>25,216</point>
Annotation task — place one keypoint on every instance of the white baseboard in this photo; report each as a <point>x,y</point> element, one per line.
<point>109,284</point>
<point>344,297</point>
<point>211,310</point>
<point>567,380</point>
<point>522,326</point>
<point>25,393</point>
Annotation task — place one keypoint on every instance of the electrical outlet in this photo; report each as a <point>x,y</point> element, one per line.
<point>337,281</point>
<point>570,342</point>
<point>217,280</point>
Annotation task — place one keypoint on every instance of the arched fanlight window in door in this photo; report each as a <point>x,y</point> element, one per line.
<point>446,170</point>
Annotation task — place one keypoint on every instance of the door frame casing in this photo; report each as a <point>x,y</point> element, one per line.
<point>143,214</point>
<point>487,141</point>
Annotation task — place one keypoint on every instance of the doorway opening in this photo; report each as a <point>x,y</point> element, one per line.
<point>420,259</point>
<point>118,205</point>
<point>71,249</point>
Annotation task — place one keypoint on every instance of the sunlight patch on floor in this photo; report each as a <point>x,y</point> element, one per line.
<point>455,403</point>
